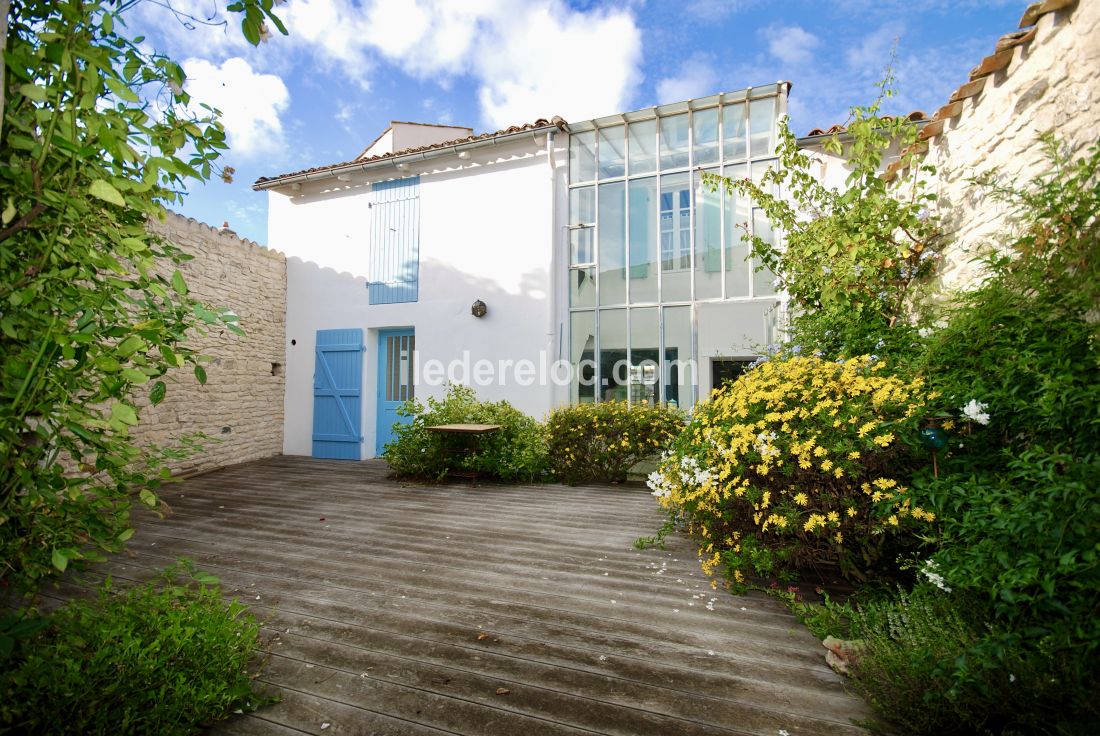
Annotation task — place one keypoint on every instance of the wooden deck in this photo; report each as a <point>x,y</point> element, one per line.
<point>516,610</point>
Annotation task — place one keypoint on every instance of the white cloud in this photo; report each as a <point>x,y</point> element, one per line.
<point>527,58</point>
<point>250,103</point>
<point>697,77</point>
<point>716,10</point>
<point>871,53</point>
<point>546,59</point>
<point>792,45</point>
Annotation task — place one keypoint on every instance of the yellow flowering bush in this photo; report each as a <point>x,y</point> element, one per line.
<point>602,442</point>
<point>796,465</point>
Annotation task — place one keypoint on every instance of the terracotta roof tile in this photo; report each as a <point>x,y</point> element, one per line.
<point>972,88</point>
<point>1037,10</point>
<point>540,123</point>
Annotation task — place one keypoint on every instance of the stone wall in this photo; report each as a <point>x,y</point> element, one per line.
<point>1041,78</point>
<point>241,403</point>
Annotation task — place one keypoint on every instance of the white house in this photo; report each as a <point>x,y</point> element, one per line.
<point>545,263</point>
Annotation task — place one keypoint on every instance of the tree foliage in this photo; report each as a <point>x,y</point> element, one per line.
<point>850,257</point>
<point>96,140</point>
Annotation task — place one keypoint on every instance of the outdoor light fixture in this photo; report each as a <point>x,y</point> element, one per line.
<point>464,155</point>
<point>478,309</point>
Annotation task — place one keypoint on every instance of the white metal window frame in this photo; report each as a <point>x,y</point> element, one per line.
<point>722,102</point>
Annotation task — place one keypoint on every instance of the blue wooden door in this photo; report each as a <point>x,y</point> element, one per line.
<point>337,394</point>
<point>395,380</point>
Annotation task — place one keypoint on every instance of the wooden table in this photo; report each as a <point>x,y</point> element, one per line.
<point>467,443</point>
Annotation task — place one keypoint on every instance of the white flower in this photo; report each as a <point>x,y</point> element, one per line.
<point>975,412</point>
<point>930,571</point>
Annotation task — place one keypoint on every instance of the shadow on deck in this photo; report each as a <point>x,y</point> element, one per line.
<point>514,610</point>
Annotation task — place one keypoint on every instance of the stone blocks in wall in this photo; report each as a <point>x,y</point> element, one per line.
<point>241,404</point>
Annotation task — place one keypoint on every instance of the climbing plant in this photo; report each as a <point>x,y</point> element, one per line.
<point>97,138</point>
<point>849,258</point>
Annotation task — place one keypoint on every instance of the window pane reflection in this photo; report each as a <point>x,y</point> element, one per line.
<point>582,355</point>
<point>642,205</point>
<point>676,371</point>
<point>705,136</point>
<point>644,356</point>
<point>612,229</point>
<point>612,145</point>
<point>614,370</point>
<point>643,147</point>
<point>582,156</point>
<point>676,237</point>
<point>708,239</point>
<point>733,132</point>
<point>674,142</point>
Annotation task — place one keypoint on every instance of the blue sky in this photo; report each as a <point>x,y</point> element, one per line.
<point>321,94</point>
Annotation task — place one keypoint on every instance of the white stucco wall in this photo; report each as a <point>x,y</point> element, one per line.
<point>487,227</point>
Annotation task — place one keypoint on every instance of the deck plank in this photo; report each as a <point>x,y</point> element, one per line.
<point>396,608</point>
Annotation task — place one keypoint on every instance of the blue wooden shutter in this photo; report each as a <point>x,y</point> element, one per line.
<point>394,241</point>
<point>337,394</point>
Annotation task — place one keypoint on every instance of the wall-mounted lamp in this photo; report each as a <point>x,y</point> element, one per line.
<point>464,155</point>
<point>478,309</point>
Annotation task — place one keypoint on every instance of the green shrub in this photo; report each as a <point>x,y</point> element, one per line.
<point>796,465</point>
<point>1018,495</point>
<point>517,452</point>
<point>601,442</point>
<point>920,669</point>
<point>165,658</point>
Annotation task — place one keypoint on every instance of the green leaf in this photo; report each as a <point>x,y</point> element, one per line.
<point>170,357</point>
<point>125,534</point>
<point>178,284</point>
<point>33,92</point>
<point>124,413</point>
<point>103,190</point>
<point>9,212</point>
<point>148,498</point>
<point>60,559</point>
<point>129,346</point>
<point>156,394</point>
<point>134,376</point>
<point>200,373</point>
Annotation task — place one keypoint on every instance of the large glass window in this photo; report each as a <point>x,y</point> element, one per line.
<point>737,215</point>
<point>611,151</point>
<point>762,127</point>
<point>674,142</point>
<point>612,230</point>
<point>645,356</point>
<point>676,237</point>
<point>677,373</point>
<point>647,240</point>
<point>642,202</point>
<point>614,368</point>
<point>733,132</point>
<point>582,156</point>
<point>704,136</point>
<point>708,239</point>
<point>763,280</point>
<point>643,147</point>
<point>582,256</point>
<point>582,356</point>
